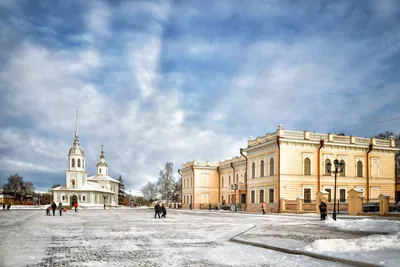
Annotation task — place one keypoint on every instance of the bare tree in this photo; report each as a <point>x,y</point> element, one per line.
<point>166,182</point>
<point>149,192</point>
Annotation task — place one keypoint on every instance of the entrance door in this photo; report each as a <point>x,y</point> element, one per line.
<point>74,199</point>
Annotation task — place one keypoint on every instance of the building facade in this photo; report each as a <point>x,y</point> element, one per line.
<point>96,190</point>
<point>286,165</point>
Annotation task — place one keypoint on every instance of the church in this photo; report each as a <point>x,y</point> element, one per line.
<point>96,190</point>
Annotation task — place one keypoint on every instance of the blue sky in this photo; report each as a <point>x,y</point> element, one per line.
<point>158,81</point>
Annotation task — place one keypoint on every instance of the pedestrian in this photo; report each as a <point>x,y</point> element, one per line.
<point>322,210</point>
<point>48,211</point>
<point>60,208</point>
<point>53,208</point>
<point>190,206</point>
<point>104,205</point>
<point>157,210</point>
<point>209,206</point>
<point>263,207</point>
<point>8,206</point>
<point>164,211</point>
<point>76,206</point>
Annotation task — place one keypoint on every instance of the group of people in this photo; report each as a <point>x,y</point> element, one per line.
<point>60,207</point>
<point>160,209</point>
<point>4,205</point>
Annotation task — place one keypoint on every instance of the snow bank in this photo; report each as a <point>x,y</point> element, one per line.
<point>388,226</point>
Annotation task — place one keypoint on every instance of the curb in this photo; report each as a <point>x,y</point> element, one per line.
<point>300,252</point>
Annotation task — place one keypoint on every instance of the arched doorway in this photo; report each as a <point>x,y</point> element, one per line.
<point>73,199</point>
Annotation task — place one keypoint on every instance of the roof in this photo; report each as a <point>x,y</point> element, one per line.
<point>89,186</point>
<point>102,178</point>
<point>6,196</point>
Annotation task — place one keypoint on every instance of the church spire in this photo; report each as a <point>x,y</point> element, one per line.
<point>76,141</point>
<point>102,152</point>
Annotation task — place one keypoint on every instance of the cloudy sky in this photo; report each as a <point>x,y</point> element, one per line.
<point>158,81</point>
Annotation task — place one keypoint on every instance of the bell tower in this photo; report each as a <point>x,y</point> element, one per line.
<point>102,167</point>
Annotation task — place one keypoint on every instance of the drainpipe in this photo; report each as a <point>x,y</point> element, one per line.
<point>322,142</point>
<point>396,174</point>
<point>279,172</point>
<point>193,187</point>
<point>371,146</point>
<point>180,172</point>
<point>219,185</point>
<point>245,178</point>
<point>234,180</point>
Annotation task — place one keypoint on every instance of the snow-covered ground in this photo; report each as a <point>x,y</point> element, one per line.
<point>132,237</point>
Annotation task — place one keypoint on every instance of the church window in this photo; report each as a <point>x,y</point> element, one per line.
<point>99,170</point>
<point>83,163</point>
<point>63,198</point>
<point>73,183</point>
<point>73,163</point>
<point>84,198</point>
<point>79,163</point>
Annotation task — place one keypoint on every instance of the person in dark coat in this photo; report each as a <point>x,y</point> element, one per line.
<point>53,208</point>
<point>157,210</point>
<point>60,208</point>
<point>322,210</point>
<point>4,206</point>
<point>48,211</point>
<point>8,206</point>
<point>164,211</point>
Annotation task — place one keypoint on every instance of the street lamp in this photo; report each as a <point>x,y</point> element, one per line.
<point>339,167</point>
<point>235,187</point>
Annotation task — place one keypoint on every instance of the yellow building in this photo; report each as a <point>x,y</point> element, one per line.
<point>286,165</point>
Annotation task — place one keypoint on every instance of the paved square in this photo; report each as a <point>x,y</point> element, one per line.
<point>132,237</point>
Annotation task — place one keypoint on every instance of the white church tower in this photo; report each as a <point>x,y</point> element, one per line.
<point>102,167</point>
<point>76,174</point>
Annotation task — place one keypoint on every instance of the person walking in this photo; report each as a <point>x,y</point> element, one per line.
<point>164,211</point>
<point>53,208</point>
<point>263,207</point>
<point>60,208</point>
<point>4,206</point>
<point>48,211</point>
<point>157,210</point>
<point>76,206</point>
<point>322,210</point>
<point>8,206</point>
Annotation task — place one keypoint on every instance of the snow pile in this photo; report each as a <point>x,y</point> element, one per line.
<point>363,244</point>
<point>387,226</point>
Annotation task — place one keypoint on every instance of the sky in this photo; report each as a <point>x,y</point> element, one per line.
<point>170,81</point>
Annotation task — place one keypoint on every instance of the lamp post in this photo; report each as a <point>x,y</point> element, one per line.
<point>338,168</point>
<point>235,187</point>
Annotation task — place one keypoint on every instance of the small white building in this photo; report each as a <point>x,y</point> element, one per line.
<point>96,190</point>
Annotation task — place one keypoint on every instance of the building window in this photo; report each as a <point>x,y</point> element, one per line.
<point>329,194</point>
<point>253,170</point>
<point>73,183</point>
<point>343,172</point>
<point>262,168</point>
<point>229,199</point>
<point>190,199</point>
<point>253,196</point>
<point>359,169</point>
<point>342,195</point>
<point>79,163</point>
<point>100,170</point>
<point>229,180</point>
<point>83,163</point>
<point>307,166</point>
<point>237,178</point>
<point>242,198</point>
<point>271,195</point>
<point>271,166</point>
<point>63,198</point>
<point>73,163</point>
<point>222,182</point>
<point>261,195</point>
<point>84,198</point>
<point>328,166</point>
<point>222,199</point>
<point>307,195</point>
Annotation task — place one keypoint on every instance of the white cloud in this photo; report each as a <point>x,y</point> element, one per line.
<point>99,18</point>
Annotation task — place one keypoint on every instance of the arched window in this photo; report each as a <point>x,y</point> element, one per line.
<point>271,166</point>
<point>222,199</point>
<point>73,163</point>
<point>262,168</point>
<point>343,172</point>
<point>253,170</point>
<point>237,178</point>
<point>307,166</point>
<point>73,183</point>
<point>79,163</point>
<point>328,166</point>
<point>83,163</point>
<point>229,179</point>
<point>100,170</point>
<point>222,182</point>
<point>359,169</point>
